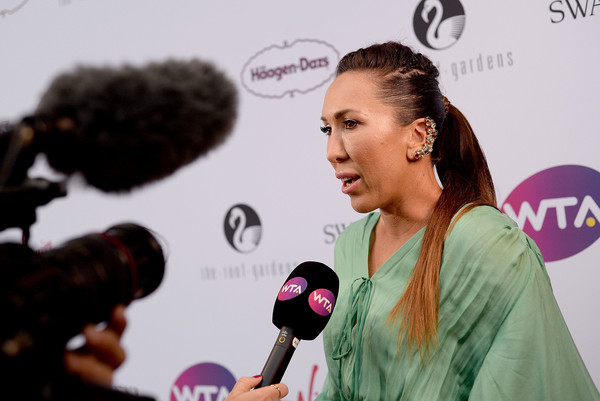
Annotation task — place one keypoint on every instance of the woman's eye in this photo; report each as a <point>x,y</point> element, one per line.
<point>326,130</point>
<point>349,124</point>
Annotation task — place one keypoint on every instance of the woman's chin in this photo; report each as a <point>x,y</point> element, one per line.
<point>361,207</point>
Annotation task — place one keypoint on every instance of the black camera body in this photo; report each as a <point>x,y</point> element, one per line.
<point>46,298</point>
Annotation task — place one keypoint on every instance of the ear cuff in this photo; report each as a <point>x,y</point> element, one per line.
<point>431,135</point>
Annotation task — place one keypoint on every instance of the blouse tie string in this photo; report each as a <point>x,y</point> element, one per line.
<point>360,296</point>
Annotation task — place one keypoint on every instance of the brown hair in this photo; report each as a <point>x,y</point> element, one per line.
<point>408,81</point>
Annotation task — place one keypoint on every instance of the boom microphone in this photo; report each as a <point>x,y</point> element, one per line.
<point>302,309</point>
<point>125,127</point>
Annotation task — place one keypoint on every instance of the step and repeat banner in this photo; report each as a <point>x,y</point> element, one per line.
<point>235,222</point>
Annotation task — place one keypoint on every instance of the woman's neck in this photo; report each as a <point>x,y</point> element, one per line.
<point>400,222</point>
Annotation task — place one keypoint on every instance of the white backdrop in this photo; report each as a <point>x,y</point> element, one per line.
<point>524,73</point>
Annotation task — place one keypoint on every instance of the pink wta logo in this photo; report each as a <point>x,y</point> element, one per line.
<point>204,381</point>
<point>558,209</point>
<point>322,301</point>
<point>292,288</point>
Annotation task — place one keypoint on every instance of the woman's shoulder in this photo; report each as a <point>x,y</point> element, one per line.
<point>484,214</point>
<point>491,237</point>
<point>482,223</point>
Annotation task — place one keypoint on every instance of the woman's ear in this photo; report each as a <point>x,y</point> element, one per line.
<point>417,137</point>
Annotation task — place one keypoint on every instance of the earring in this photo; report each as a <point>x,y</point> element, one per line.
<point>431,135</point>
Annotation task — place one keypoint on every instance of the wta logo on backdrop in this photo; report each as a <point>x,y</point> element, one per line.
<point>203,382</point>
<point>439,24</point>
<point>558,208</point>
<point>291,68</point>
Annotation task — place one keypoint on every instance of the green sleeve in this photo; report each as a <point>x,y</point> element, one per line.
<point>533,356</point>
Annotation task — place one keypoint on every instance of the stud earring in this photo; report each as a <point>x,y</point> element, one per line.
<point>431,135</point>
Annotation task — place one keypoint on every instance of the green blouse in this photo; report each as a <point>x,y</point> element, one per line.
<point>501,335</point>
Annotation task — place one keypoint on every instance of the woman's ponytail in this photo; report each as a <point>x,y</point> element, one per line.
<point>408,82</point>
<point>466,181</point>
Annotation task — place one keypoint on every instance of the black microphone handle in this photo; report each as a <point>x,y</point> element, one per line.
<point>279,358</point>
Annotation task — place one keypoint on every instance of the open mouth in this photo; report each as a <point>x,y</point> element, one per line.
<point>349,180</point>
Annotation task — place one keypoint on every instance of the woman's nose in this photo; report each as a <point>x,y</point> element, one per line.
<point>336,152</point>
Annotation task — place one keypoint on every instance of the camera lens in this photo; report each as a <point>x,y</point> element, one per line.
<point>56,293</point>
<point>145,257</point>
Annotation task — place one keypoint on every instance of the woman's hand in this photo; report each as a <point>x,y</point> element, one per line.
<point>241,391</point>
<point>102,353</point>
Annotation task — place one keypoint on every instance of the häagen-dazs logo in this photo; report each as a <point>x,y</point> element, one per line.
<point>558,209</point>
<point>439,23</point>
<point>290,68</point>
<point>204,381</point>
<point>8,7</point>
<point>292,288</point>
<point>322,301</point>
<point>242,228</point>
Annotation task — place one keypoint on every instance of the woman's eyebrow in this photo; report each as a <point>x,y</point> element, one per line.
<point>337,115</point>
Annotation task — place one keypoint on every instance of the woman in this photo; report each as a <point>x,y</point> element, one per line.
<point>442,297</point>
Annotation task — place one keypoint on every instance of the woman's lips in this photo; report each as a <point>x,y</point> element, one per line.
<point>349,182</point>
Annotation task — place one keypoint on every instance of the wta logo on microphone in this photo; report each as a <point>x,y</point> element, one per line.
<point>322,301</point>
<point>558,208</point>
<point>292,288</point>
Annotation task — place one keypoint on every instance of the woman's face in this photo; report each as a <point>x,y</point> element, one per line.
<point>366,146</point>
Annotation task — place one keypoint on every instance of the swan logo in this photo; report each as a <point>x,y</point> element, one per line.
<point>291,68</point>
<point>8,7</point>
<point>438,24</point>
<point>558,208</point>
<point>203,382</point>
<point>242,228</point>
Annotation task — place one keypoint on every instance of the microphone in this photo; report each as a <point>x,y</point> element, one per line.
<point>302,309</point>
<point>125,127</point>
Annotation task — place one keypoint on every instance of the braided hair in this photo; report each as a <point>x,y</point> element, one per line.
<point>408,81</point>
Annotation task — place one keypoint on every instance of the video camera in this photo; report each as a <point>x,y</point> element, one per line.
<point>46,298</point>
<point>119,128</point>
